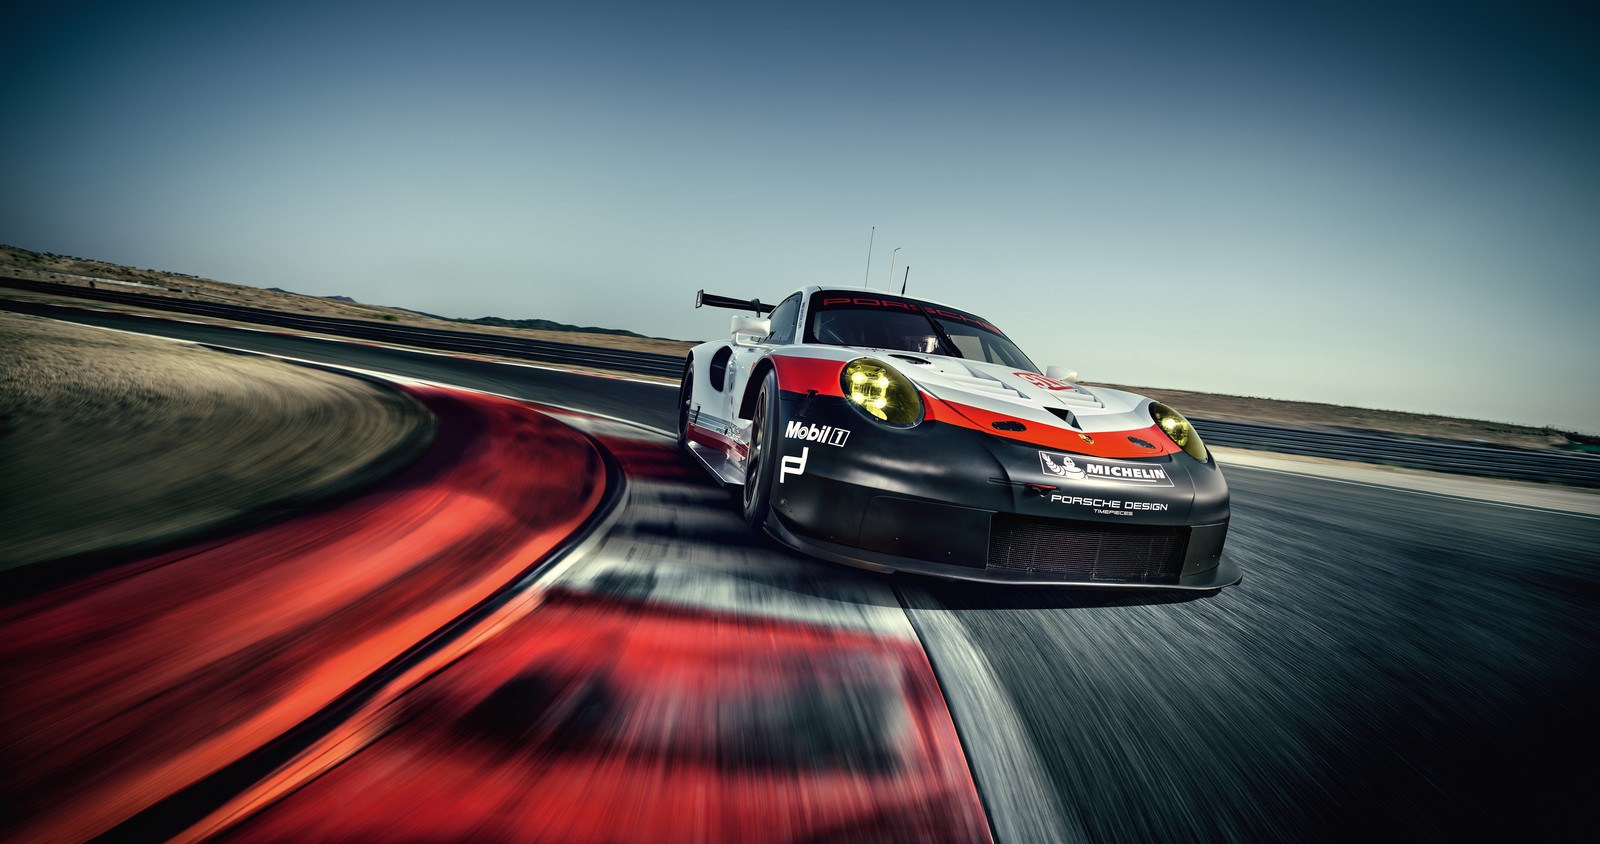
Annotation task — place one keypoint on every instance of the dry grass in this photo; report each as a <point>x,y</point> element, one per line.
<point>112,441</point>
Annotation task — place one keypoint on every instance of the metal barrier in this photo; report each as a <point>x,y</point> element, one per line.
<point>1434,455</point>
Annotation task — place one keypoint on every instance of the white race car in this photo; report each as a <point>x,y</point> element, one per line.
<point>894,433</point>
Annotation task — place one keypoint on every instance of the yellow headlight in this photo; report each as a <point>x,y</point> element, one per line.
<point>1178,429</point>
<point>881,392</point>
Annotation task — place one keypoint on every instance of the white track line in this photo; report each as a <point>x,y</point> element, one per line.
<point>1017,795</point>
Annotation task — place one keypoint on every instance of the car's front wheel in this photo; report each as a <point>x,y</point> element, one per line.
<point>762,458</point>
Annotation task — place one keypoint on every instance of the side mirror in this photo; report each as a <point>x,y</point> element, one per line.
<point>1061,373</point>
<point>749,331</point>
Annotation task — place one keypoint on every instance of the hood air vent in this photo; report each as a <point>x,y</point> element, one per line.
<point>1064,415</point>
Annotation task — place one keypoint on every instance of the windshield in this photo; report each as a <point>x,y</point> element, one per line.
<point>905,325</point>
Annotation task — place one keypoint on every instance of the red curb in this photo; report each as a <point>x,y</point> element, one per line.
<point>133,684</point>
<point>604,720</point>
<point>597,718</point>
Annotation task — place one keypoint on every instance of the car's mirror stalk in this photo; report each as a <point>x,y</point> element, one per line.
<point>749,331</point>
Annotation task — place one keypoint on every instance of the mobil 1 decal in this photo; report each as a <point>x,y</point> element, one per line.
<point>1077,468</point>
<point>798,430</point>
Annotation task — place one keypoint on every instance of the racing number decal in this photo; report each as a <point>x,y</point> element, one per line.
<point>793,465</point>
<point>1042,382</point>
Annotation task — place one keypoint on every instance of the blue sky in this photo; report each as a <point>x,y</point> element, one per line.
<point>1389,205</point>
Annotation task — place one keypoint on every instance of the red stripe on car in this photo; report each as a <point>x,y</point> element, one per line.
<point>707,437</point>
<point>1111,444</point>
<point>802,375</point>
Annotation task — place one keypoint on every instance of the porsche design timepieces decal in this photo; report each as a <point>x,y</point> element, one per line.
<point>798,430</point>
<point>1059,465</point>
<point>793,465</point>
<point>1111,506</point>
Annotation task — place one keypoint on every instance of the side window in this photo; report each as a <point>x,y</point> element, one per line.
<point>783,321</point>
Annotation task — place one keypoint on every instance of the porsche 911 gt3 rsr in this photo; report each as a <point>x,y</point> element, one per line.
<point>894,433</point>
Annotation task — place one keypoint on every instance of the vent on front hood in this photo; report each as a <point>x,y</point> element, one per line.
<point>982,384</point>
<point>918,361</point>
<point>1064,415</point>
<point>1076,398</point>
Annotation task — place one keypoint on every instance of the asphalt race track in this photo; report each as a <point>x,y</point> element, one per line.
<point>1394,663</point>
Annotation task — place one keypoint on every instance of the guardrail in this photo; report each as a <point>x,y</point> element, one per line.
<point>441,339</point>
<point>1459,458</point>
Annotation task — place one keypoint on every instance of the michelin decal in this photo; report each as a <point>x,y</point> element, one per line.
<point>1059,465</point>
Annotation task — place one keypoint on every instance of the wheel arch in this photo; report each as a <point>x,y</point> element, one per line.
<point>752,387</point>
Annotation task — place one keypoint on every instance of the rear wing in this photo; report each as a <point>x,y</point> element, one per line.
<point>712,300</point>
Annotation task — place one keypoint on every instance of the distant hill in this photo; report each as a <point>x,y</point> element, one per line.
<point>544,325</point>
<point>49,266</point>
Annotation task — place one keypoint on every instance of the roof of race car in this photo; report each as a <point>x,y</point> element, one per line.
<point>856,291</point>
<point>805,293</point>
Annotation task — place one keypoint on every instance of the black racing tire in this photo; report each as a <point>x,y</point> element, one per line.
<point>685,400</point>
<point>762,459</point>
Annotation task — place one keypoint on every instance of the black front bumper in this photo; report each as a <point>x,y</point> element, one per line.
<point>950,502</point>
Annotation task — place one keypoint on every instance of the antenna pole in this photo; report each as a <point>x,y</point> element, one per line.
<point>904,281</point>
<point>891,267</point>
<point>874,234</point>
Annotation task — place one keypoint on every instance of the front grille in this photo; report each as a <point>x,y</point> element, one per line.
<point>1080,549</point>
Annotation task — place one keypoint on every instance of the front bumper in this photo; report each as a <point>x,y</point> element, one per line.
<point>1225,573</point>
<point>948,502</point>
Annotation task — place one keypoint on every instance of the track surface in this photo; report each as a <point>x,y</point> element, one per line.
<point>1394,664</point>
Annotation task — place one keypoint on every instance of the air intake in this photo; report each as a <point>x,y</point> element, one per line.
<point>1064,415</point>
<point>1098,552</point>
